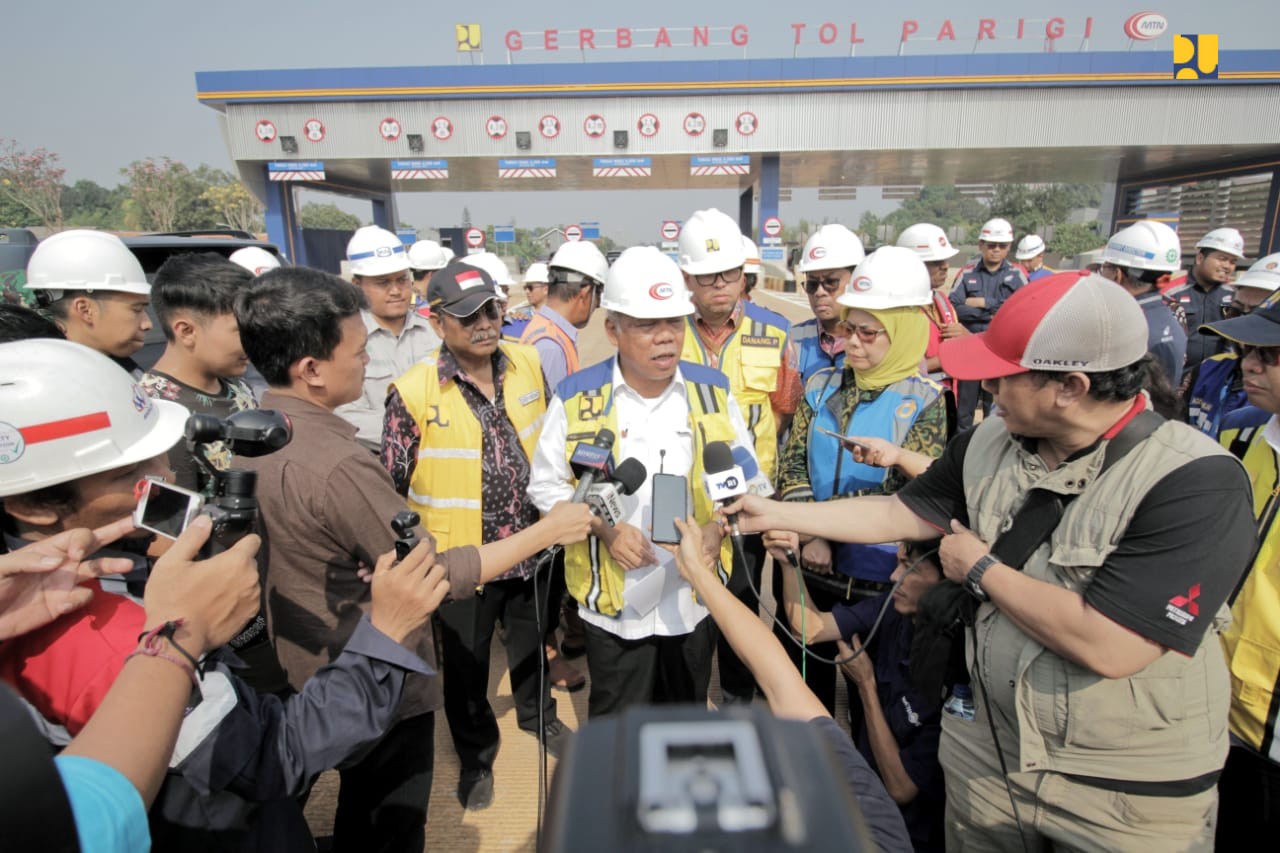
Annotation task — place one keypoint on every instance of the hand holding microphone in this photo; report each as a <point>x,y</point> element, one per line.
<point>605,499</point>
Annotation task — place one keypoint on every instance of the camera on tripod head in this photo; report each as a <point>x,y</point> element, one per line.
<point>233,507</point>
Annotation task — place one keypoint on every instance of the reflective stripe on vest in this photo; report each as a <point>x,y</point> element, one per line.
<point>543,328</point>
<point>446,487</point>
<point>1212,398</point>
<point>591,575</point>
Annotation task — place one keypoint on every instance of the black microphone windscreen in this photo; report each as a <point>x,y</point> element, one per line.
<point>604,439</point>
<point>630,475</point>
<point>716,457</point>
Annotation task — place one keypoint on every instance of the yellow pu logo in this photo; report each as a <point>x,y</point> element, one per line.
<point>590,407</point>
<point>713,245</point>
<point>468,37</point>
<point>1195,57</point>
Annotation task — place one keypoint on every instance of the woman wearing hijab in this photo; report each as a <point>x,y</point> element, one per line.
<point>880,398</point>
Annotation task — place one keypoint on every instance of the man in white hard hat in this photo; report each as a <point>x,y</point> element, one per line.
<point>751,268</point>
<point>255,259</point>
<point>398,336</point>
<point>1065,522</point>
<point>977,294</point>
<point>647,636</point>
<point>96,291</point>
<point>1207,291</point>
<point>1217,383</point>
<point>425,257</point>
<point>1030,255</point>
<point>752,346</point>
<point>1138,258</point>
<point>931,244</point>
<point>827,261</point>
<point>460,429</point>
<point>536,279</point>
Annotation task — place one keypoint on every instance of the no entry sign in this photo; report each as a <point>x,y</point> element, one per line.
<point>573,233</point>
<point>670,230</point>
<point>475,238</point>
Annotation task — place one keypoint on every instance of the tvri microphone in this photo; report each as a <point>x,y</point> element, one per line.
<point>723,478</point>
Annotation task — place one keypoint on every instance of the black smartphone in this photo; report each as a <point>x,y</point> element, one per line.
<point>670,501</point>
<point>844,439</point>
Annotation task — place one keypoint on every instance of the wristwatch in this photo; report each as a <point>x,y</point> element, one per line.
<point>973,580</point>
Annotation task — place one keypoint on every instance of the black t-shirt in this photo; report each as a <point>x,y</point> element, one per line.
<point>1187,545</point>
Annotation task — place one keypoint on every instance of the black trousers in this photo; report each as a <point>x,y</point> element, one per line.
<point>650,671</point>
<point>969,397</point>
<point>736,682</point>
<point>382,803</point>
<point>466,632</point>
<point>1248,801</point>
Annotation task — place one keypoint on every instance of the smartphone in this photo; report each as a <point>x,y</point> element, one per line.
<point>844,439</point>
<point>670,501</point>
<point>165,509</point>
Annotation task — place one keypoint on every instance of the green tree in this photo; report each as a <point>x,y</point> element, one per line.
<point>944,206</point>
<point>32,181</point>
<point>87,204</point>
<point>466,217</point>
<point>316,215</point>
<point>232,203</point>
<point>1036,208</point>
<point>869,228</point>
<point>1070,240</point>
<point>157,189</point>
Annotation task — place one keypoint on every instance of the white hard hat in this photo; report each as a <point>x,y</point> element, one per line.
<point>375,251</point>
<point>255,259</point>
<point>536,273</point>
<point>582,256</point>
<point>1223,240</point>
<point>449,254</point>
<point>1264,274</point>
<point>1146,245</point>
<point>645,283</point>
<point>85,260</point>
<point>996,231</point>
<point>711,242</point>
<point>495,266</point>
<point>1030,246</point>
<point>928,241</point>
<point>832,247</point>
<point>69,411</point>
<point>752,264</point>
<point>890,277</point>
<point>427,255</point>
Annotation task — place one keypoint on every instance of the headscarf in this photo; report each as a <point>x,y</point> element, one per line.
<point>908,329</point>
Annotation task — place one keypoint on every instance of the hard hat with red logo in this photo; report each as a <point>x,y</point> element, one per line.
<point>67,412</point>
<point>890,277</point>
<point>996,231</point>
<point>255,259</point>
<point>928,241</point>
<point>752,264</point>
<point>711,242</point>
<point>85,260</point>
<point>1223,240</point>
<point>646,284</point>
<point>374,251</point>
<point>832,247</point>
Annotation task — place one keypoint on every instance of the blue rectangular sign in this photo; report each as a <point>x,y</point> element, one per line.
<point>528,163</point>
<point>504,233</point>
<point>621,162</point>
<point>398,165</point>
<point>769,253</point>
<point>295,166</point>
<point>721,160</point>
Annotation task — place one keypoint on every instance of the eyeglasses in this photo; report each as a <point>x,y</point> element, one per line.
<point>531,287</point>
<point>866,334</point>
<point>999,247</point>
<point>708,279</point>
<point>829,283</point>
<point>489,310</point>
<point>386,283</point>
<point>1269,356</point>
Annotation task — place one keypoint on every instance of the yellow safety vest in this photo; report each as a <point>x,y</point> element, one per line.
<point>591,574</point>
<point>751,358</point>
<point>1252,643</point>
<point>446,485</point>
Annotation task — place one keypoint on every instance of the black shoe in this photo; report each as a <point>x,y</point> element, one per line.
<point>557,737</point>
<point>475,789</point>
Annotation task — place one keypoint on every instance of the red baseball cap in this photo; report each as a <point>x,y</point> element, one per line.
<point>1064,322</point>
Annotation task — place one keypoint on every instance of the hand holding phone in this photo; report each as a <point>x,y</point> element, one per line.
<point>844,439</point>
<point>165,509</point>
<point>670,501</point>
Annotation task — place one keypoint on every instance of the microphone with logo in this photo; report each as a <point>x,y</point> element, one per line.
<point>725,481</point>
<point>590,462</point>
<point>605,499</point>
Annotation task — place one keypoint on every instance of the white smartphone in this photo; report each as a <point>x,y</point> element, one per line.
<point>165,509</point>
<point>844,439</point>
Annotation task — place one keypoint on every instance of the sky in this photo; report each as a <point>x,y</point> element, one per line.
<point>103,84</point>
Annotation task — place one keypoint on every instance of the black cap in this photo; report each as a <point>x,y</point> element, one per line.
<point>460,289</point>
<point>1259,328</point>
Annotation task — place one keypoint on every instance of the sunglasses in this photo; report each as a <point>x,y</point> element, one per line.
<point>387,283</point>
<point>1236,309</point>
<point>866,334</point>
<point>728,277</point>
<point>531,287</point>
<point>1269,356</point>
<point>830,284</point>
<point>490,311</point>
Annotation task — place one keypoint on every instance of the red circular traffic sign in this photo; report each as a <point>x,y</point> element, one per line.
<point>670,230</point>
<point>573,233</point>
<point>772,226</point>
<point>475,238</point>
